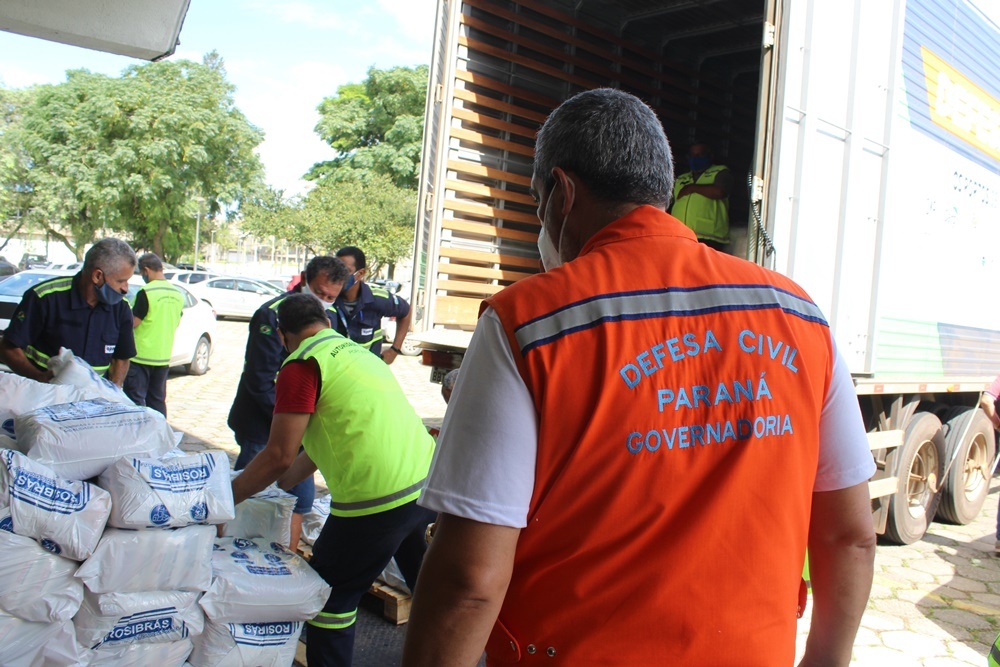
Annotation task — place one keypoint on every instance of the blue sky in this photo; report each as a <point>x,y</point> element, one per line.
<point>283,56</point>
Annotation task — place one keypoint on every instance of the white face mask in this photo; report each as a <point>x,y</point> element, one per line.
<point>551,257</point>
<point>306,290</point>
<point>548,251</point>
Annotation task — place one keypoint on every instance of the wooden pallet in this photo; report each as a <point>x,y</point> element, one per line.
<point>396,603</point>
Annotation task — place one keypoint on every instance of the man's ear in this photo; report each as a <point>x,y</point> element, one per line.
<point>568,188</point>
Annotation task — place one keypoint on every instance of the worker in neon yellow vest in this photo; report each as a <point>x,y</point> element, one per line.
<point>701,197</point>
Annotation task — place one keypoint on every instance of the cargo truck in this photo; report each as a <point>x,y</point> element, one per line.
<point>868,138</point>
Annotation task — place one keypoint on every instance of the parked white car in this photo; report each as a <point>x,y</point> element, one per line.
<point>186,277</point>
<point>14,287</point>
<point>195,334</point>
<point>235,297</point>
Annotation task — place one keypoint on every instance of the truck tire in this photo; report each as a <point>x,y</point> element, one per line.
<point>918,463</point>
<point>968,481</point>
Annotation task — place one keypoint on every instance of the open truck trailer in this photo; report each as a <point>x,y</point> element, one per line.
<point>865,141</point>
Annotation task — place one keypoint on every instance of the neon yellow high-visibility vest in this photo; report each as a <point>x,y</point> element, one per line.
<point>365,437</point>
<point>706,217</point>
<point>154,337</point>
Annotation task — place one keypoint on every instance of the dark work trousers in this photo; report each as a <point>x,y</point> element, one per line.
<point>147,385</point>
<point>350,554</point>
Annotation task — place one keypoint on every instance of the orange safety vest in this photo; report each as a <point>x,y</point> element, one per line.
<point>679,392</point>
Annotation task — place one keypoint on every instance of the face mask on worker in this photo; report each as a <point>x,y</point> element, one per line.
<point>108,294</point>
<point>145,277</point>
<point>549,251</point>
<point>306,290</point>
<point>699,162</point>
<point>349,283</point>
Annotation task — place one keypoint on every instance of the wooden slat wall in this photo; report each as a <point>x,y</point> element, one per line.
<point>489,223</point>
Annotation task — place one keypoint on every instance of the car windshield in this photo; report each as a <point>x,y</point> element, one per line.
<point>19,283</point>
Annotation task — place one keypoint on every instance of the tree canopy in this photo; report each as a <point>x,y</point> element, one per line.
<point>375,126</point>
<point>141,153</point>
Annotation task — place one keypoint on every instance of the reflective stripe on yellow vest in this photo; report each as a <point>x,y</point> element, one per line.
<point>993,660</point>
<point>154,337</point>
<point>706,217</point>
<point>364,437</point>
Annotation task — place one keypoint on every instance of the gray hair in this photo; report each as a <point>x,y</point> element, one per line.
<point>108,255</point>
<point>151,261</point>
<point>614,142</point>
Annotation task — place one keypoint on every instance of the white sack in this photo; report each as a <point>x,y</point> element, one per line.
<point>169,493</point>
<point>266,515</point>
<point>260,583</point>
<point>238,644</point>
<point>80,440</point>
<point>36,585</point>
<point>112,620</point>
<point>73,371</point>
<point>66,517</point>
<point>29,644</point>
<point>169,654</point>
<point>150,560</point>
<point>314,520</point>
<point>19,395</point>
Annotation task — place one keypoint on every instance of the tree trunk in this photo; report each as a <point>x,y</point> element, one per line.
<point>161,230</point>
<point>20,224</point>
<point>77,250</point>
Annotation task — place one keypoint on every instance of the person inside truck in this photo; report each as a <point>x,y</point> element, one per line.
<point>624,476</point>
<point>360,309</point>
<point>701,197</point>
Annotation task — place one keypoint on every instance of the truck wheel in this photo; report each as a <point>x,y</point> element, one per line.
<point>968,481</point>
<point>918,463</point>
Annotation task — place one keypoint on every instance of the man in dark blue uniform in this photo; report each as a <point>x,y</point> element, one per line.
<point>253,407</point>
<point>85,313</point>
<point>360,309</point>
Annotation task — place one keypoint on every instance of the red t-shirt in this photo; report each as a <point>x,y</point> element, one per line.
<point>297,389</point>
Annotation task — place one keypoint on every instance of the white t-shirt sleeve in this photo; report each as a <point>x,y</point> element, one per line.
<point>844,456</point>
<point>484,464</point>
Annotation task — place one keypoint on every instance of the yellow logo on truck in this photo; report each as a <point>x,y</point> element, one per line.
<point>960,106</point>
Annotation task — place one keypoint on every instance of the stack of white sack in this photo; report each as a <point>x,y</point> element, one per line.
<point>168,654</point>
<point>70,370</point>
<point>19,395</point>
<point>259,596</point>
<point>80,440</point>
<point>38,591</point>
<point>312,525</point>
<point>110,621</point>
<point>66,517</point>
<point>128,561</point>
<point>265,516</point>
<point>169,493</point>
<point>30,644</point>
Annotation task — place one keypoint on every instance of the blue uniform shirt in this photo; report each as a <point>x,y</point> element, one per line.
<point>54,314</point>
<point>364,324</point>
<point>253,407</point>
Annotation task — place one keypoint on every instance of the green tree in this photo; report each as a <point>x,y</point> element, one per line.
<point>373,214</point>
<point>15,195</point>
<point>181,147</point>
<point>376,127</point>
<point>140,154</point>
<point>63,134</point>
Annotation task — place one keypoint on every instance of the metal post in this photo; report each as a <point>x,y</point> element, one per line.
<point>197,234</point>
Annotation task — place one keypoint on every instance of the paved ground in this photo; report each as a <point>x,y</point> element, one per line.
<point>933,604</point>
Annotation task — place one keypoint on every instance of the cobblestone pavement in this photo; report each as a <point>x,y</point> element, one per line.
<point>935,603</point>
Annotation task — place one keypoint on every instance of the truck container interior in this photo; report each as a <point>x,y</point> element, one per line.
<point>697,63</point>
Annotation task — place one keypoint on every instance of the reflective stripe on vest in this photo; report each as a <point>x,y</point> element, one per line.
<point>706,217</point>
<point>670,302</point>
<point>364,436</point>
<point>154,337</point>
<point>41,359</point>
<point>993,660</point>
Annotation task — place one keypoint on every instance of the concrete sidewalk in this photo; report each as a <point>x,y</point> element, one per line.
<point>935,603</point>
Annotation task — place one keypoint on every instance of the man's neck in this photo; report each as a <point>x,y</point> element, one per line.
<point>87,290</point>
